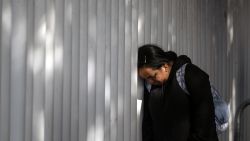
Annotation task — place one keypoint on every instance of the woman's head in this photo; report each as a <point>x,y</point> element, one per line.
<point>154,65</point>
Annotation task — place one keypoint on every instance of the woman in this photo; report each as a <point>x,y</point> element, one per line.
<point>169,113</point>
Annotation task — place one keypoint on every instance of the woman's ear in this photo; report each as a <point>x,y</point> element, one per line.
<point>165,67</point>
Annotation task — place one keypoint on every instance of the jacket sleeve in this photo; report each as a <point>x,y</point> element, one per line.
<point>202,109</point>
<point>147,127</point>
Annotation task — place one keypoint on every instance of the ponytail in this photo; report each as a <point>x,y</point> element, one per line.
<point>170,55</point>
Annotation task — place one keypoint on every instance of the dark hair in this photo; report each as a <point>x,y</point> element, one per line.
<point>150,55</point>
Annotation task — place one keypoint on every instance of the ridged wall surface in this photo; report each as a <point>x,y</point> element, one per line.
<point>68,67</point>
<point>240,11</point>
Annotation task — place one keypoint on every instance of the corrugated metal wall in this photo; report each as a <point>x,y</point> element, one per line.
<point>68,67</point>
<point>240,15</point>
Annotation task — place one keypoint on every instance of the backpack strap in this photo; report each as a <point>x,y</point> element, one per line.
<point>180,76</point>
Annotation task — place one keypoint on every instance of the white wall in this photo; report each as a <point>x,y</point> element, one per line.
<point>68,67</point>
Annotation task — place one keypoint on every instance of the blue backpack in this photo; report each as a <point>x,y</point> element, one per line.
<point>220,106</point>
<point>221,109</point>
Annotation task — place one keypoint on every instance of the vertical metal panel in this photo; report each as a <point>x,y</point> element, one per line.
<point>92,41</point>
<point>134,135</point>
<point>114,70</point>
<point>141,41</point>
<point>177,35</point>
<point>206,35</point>
<point>141,22</point>
<point>29,71</point>
<point>39,71</point>
<point>170,25</point>
<point>165,23</point>
<point>107,75</point>
<point>173,26</point>
<point>248,68</point>
<point>49,71</point>
<point>75,71</point>
<point>100,71</point>
<point>241,13</point>
<point>5,69</point>
<point>199,27</point>
<point>244,55</point>
<point>59,90</point>
<point>247,91</point>
<point>183,28</point>
<point>121,71</point>
<point>189,25</point>
<point>212,37</point>
<point>203,33</point>
<point>226,53</point>
<point>196,31</point>
<point>159,21</point>
<point>147,20</point>
<point>127,73</point>
<point>83,72</point>
<point>65,99</point>
<point>153,21</point>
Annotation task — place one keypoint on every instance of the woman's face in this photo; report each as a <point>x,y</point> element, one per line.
<point>155,76</point>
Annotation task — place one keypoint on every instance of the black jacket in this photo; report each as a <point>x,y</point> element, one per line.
<point>172,115</point>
